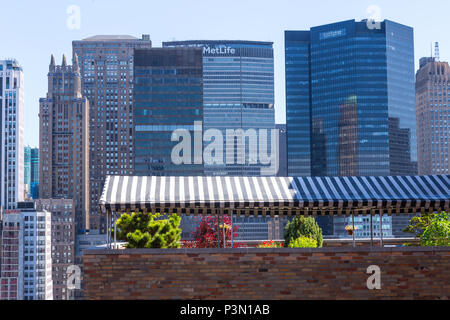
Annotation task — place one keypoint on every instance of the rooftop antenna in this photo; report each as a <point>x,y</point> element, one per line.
<point>436,51</point>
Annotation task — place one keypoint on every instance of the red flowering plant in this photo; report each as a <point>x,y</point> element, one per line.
<point>271,244</point>
<point>211,232</point>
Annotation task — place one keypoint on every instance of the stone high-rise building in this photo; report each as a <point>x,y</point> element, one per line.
<point>106,67</point>
<point>63,242</point>
<point>433,116</point>
<point>64,140</point>
<point>11,134</point>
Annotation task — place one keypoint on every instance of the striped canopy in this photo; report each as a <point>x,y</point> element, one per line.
<point>316,195</point>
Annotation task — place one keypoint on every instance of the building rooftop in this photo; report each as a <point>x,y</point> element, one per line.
<point>11,63</point>
<point>216,42</point>
<point>110,37</point>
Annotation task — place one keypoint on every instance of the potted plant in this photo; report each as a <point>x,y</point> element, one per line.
<point>270,244</point>
<point>350,230</point>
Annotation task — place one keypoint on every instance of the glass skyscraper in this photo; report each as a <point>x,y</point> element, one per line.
<point>350,103</point>
<point>350,100</point>
<point>238,93</point>
<point>31,172</point>
<point>168,96</point>
<point>238,89</point>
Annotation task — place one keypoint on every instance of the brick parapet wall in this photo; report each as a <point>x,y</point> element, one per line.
<point>266,274</point>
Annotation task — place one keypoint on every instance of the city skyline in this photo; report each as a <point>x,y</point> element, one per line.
<point>299,136</point>
<point>98,17</point>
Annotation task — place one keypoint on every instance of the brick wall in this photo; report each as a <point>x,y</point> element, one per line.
<point>266,274</point>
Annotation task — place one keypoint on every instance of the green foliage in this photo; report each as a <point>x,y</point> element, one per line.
<point>148,230</point>
<point>303,242</point>
<point>303,227</point>
<point>417,225</point>
<point>437,233</point>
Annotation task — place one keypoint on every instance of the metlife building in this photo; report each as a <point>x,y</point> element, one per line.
<point>238,93</point>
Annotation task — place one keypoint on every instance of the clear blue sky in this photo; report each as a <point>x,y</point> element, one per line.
<point>32,30</point>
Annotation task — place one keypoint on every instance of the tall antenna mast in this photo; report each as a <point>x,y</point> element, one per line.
<point>436,51</point>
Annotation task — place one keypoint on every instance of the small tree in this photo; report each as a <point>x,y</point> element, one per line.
<point>437,233</point>
<point>417,225</point>
<point>301,226</point>
<point>148,230</point>
<point>303,242</point>
<point>211,231</point>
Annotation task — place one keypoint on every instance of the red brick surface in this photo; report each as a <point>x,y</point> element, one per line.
<point>266,274</point>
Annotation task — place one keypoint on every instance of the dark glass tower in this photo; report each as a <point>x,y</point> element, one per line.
<point>168,96</point>
<point>350,100</point>
<point>31,172</point>
<point>298,103</point>
<point>238,89</point>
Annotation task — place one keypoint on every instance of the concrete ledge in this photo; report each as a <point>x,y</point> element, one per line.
<point>257,250</point>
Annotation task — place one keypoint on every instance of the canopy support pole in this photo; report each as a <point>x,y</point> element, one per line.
<point>381,228</point>
<point>232,233</point>
<point>354,231</point>
<point>223,232</point>
<point>107,230</point>
<point>218,230</point>
<point>115,231</point>
<point>371,228</point>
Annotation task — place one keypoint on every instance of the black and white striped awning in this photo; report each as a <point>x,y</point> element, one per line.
<point>276,195</point>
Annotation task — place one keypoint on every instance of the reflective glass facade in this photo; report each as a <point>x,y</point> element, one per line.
<point>31,172</point>
<point>298,103</point>
<point>168,95</point>
<point>351,100</point>
<point>238,88</point>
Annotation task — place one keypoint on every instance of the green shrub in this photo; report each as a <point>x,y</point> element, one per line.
<point>417,225</point>
<point>303,242</point>
<point>148,230</point>
<point>303,227</point>
<point>437,233</point>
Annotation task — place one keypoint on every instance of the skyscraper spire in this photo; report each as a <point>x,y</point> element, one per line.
<point>64,61</point>
<point>76,66</point>
<point>436,51</point>
<point>52,62</point>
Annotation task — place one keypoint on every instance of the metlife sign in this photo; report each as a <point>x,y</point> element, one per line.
<point>228,48</point>
<point>218,51</point>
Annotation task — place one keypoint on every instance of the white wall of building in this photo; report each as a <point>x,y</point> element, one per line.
<point>33,268</point>
<point>12,132</point>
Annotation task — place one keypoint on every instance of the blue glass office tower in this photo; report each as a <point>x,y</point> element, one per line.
<point>238,93</point>
<point>31,171</point>
<point>238,88</point>
<point>298,103</point>
<point>168,96</point>
<point>350,100</point>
